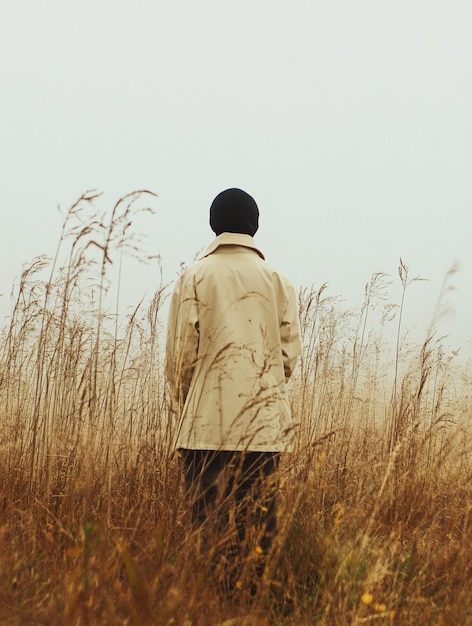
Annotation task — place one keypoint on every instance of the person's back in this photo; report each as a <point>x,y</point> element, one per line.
<point>246,348</point>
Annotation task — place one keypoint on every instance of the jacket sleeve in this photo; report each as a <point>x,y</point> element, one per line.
<point>290,334</point>
<point>182,340</point>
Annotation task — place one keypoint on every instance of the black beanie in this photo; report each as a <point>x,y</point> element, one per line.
<point>234,211</point>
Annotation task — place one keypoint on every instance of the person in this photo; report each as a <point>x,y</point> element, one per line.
<point>232,343</point>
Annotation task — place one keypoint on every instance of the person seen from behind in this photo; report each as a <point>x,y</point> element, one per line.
<point>232,342</point>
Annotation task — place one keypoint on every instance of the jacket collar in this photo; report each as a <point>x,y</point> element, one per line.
<point>232,239</point>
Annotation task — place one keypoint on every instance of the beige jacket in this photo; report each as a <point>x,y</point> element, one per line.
<point>233,339</point>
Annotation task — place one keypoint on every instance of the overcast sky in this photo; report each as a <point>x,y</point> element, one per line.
<point>350,122</point>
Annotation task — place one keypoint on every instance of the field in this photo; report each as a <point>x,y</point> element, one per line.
<point>374,505</point>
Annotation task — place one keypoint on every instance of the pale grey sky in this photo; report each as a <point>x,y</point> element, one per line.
<point>350,122</point>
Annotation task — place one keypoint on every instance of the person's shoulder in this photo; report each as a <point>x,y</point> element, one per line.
<point>277,274</point>
<point>281,283</point>
<point>185,277</point>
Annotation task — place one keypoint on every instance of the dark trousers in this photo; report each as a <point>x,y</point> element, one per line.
<point>224,486</point>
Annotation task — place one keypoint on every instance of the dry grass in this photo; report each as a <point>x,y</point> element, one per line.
<point>375,504</point>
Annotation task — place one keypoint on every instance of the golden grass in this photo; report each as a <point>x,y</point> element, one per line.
<point>375,504</point>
